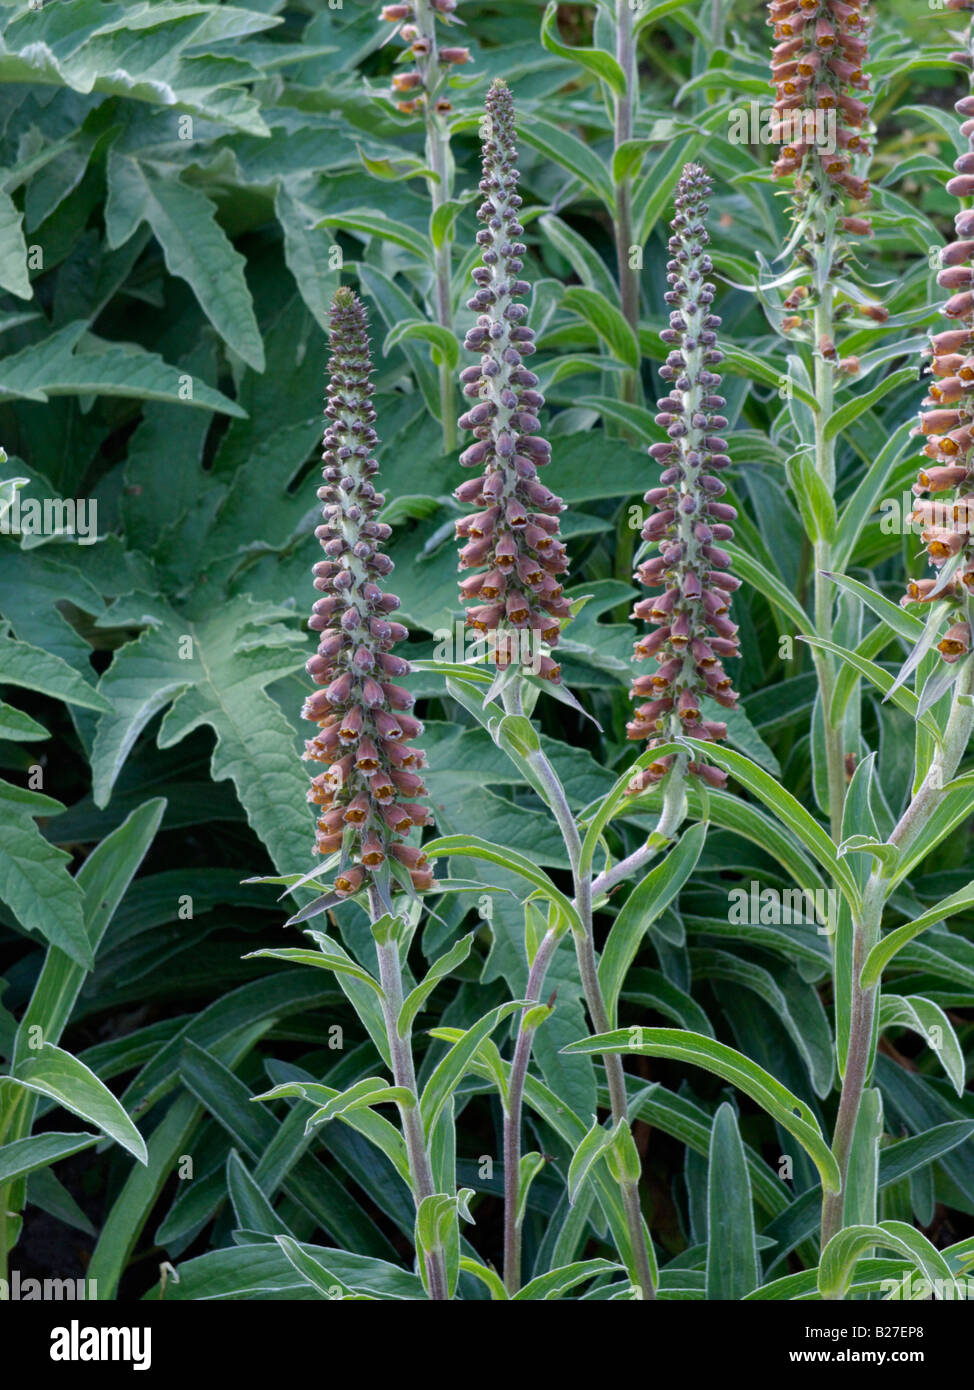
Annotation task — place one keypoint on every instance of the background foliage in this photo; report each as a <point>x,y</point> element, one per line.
<point>186,171</point>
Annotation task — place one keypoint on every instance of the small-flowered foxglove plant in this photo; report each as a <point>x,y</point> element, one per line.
<point>821,119</point>
<point>817,67</point>
<point>946,423</point>
<point>694,633</point>
<point>416,26</point>
<point>820,122</point>
<point>366,794</point>
<point>511,542</point>
<point>945,485</point>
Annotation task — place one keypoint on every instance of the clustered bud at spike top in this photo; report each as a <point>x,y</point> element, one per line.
<point>817,67</point>
<point>367,791</point>
<point>693,633</point>
<point>945,486</point>
<point>512,540</point>
<point>416,26</point>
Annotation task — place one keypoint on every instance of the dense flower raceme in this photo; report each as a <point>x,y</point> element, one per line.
<point>367,789</point>
<point>512,539</point>
<point>820,122</point>
<point>945,486</point>
<point>416,26</point>
<point>693,630</point>
<point>816,70</point>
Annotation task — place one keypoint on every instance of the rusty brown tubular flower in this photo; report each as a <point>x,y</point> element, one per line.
<point>416,26</point>
<point>945,486</point>
<point>694,633</point>
<point>817,72</point>
<point>367,792</point>
<point>512,540</point>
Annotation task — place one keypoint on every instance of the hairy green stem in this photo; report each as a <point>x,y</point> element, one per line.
<point>825,468</point>
<point>512,1117</point>
<point>625,103</point>
<point>585,954</point>
<point>866,934</point>
<point>404,1075</point>
<point>440,161</point>
<point>862,1015</point>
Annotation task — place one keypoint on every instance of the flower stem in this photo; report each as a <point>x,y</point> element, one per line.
<point>861,1017</point>
<point>595,1001</point>
<point>440,161</point>
<point>512,1117</point>
<point>825,468</point>
<point>866,934</point>
<point>625,102</point>
<point>404,1075</point>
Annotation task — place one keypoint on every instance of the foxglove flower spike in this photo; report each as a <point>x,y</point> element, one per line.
<point>512,540</point>
<point>368,789</point>
<point>693,633</point>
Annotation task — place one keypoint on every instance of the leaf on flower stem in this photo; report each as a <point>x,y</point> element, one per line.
<point>790,1112</point>
<point>844,1250</point>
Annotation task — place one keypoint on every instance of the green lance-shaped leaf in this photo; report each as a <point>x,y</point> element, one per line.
<point>450,1071</point>
<point>251,1208</point>
<point>904,624</point>
<point>952,806</point>
<point>50,1071</point>
<point>928,1020</point>
<point>331,956</point>
<point>844,1250</point>
<point>595,60</point>
<point>571,154</point>
<point>814,499</point>
<point>315,1272</point>
<point>615,798</point>
<point>716,1057</point>
<point>770,585</point>
<point>195,246</point>
<point>557,1282</point>
<point>19,727</point>
<point>103,880</point>
<point>884,951</point>
<point>607,322</point>
<point>644,904</point>
<point>868,494</point>
<point>472,846</point>
<point>438,971</point>
<point>733,1268</point>
<point>438,1233</point>
<point>800,1010</point>
<point>788,810</point>
<point>371,1090</point>
<point>24,1156</point>
<point>376,1128</point>
<point>882,680</point>
<point>848,413</point>
<point>445,345</point>
<point>376,224</point>
<point>597,1142</point>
